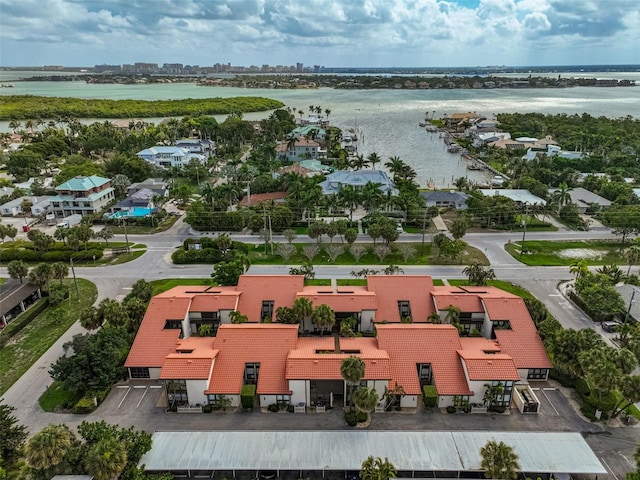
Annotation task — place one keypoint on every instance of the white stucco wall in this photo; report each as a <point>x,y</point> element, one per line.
<point>487,327</point>
<point>195,391</point>
<point>445,401</point>
<point>224,316</point>
<point>366,320</point>
<point>299,391</point>
<point>154,373</point>
<point>409,401</point>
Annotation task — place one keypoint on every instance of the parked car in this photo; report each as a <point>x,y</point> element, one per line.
<point>609,326</point>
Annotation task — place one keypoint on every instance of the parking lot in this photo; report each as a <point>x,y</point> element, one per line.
<point>138,398</point>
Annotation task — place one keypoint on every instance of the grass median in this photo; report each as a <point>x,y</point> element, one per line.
<point>36,338</point>
<point>546,253</point>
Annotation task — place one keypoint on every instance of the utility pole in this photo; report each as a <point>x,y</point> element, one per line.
<point>270,235</point>
<point>633,294</point>
<point>524,232</point>
<point>126,238</point>
<point>424,227</point>
<point>75,281</point>
<point>264,228</point>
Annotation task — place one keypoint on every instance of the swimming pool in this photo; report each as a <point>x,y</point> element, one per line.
<point>137,212</point>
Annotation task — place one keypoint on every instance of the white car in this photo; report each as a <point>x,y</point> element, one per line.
<point>399,228</point>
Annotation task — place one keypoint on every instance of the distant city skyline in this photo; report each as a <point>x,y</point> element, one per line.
<point>332,33</point>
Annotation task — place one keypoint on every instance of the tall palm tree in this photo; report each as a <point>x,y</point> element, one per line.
<point>562,195</point>
<point>59,270</point>
<point>349,197</point>
<point>359,162</point>
<point>374,468</point>
<point>324,318</point>
<point>499,461</point>
<point>106,459</point>
<point>302,308</point>
<point>579,268</point>
<point>49,446</point>
<point>365,399</point>
<point>352,371</point>
<point>373,159</point>
<point>633,255</point>
<point>453,314</point>
<point>372,197</point>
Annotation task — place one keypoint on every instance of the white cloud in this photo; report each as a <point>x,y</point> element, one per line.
<point>332,32</point>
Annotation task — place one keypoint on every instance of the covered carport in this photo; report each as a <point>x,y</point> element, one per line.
<point>436,454</point>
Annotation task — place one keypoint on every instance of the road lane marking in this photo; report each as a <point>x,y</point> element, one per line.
<point>609,468</point>
<point>550,402</point>
<point>143,395</point>
<point>123,398</point>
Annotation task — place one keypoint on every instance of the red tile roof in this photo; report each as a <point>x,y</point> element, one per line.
<point>266,344</point>
<point>255,289</point>
<point>447,295</point>
<point>347,299</point>
<point>304,363</point>
<point>258,198</point>
<point>195,365</point>
<point>389,289</point>
<point>153,343</point>
<point>522,342</point>
<point>489,366</point>
<point>216,300</point>
<point>410,344</point>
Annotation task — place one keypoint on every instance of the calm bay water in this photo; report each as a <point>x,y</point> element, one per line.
<point>387,120</point>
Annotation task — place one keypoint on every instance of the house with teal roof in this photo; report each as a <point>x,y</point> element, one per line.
<point>312,132</point>
<point>83,195</point>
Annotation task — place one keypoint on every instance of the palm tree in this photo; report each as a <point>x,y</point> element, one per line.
<point>90,319</point>
<point>327,112</point>
<point>49,446</point>
<point>359,162</point>
<point>478,274</point>
<point>630,389</point>
<point>352,371</point>
<point>633,255</point>
<point>349,197</point>
<point>499,461</point>
<point>18,269</point>
<point>562,195</point>
<point>453,314</point>
<point>374,468</point>
<point>371,196</point>
<point>434,317</point>
<point>395,165</point>
<point>324,318</point>
<point>365,399</point>
<point>40,274</point>
<point>302,309</point>
<point>59,270</point>
<point>373,159</point>
<point>106,459</point>
<point>579,268</point>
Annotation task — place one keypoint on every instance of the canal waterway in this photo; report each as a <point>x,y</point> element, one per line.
<point>387,120</point>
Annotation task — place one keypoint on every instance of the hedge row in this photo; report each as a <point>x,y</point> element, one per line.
<point>430,396</point>
<point>10,254</point>
<point>247,396</point>
<point>22,321</point>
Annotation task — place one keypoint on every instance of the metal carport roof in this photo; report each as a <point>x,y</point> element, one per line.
<point>556,452</point>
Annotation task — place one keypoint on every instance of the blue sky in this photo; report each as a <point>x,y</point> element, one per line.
<point>384,33</point>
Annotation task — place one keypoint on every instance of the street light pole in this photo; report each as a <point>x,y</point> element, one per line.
<point>524,232</point>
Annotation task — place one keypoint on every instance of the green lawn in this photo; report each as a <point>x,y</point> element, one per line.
<point>160,286</point>
<point>54,396</point>
<point>438,283</point>
<point>549,253</point>
<point>36,338</point>
<point>165,224</point>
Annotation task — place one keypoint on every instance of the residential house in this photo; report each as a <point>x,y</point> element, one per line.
<point>518,195</point>
<point>169,156</point>
<point>358,179</point>
<point>258,198</point>
<point>496,342</point>
<point>143,198</point>
<point>449,199</point>
<point>508,143</point>
<point>196,145</point>
<point>298,169</point>
<point>301,149</point>
<point>37,206</point>
<point>83,195</point>
<point>158,186</point>
<point>311,132</point>
<point>585,200</point>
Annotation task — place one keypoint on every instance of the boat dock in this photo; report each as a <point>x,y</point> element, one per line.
<point>483,166</point>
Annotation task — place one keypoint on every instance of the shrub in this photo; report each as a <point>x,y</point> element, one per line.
<point>361,417</point>
<point>430,396</point>
<point>273,408</point>
<point>351,418</point>
<point>247,396</point>
<point>290,408</point>
<point>84,405</point>
<point>58,293</point>
<point>451,409</point>
<point>22,321</point>
<point>207,408</point>
<point>498,409</point>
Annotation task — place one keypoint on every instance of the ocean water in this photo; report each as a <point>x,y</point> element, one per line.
<point>387,120</point>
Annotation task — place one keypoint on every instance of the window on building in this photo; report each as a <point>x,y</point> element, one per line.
<point>283,399</point>
<point>502,325</point>
<point>504,400</point>
<point>173,325</point>
<point>267,310</point>
<point>251,372</point>
<point>404,308</point>
<point>537,374</point>
<point>139,372</point>
<point>177,392</point>
<point>424,373</point>
<point>461,401</point>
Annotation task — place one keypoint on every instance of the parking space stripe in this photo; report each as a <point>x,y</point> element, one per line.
<point>609,468</point>
<point>143,395</point>
<point>550,402</point>
<point>123,398</point>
